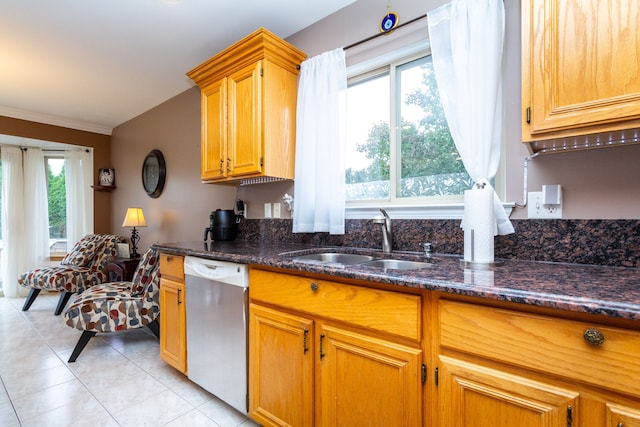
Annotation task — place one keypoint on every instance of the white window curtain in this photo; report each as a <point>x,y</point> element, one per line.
<point>319,186</point>
<point>25,216</point>
<point>13,244</point>
<point>467,38</point>
<point>36,208</point>
<point>78,181</point>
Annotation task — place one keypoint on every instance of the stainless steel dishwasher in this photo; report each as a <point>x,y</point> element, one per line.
<point>217,315</point>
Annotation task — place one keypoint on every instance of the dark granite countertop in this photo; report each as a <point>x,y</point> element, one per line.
<point>601,290</point>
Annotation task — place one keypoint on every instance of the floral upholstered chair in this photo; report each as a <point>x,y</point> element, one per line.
<point>84,266</point>
<point>118,306</point>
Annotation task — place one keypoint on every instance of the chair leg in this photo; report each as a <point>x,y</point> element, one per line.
<point>33,293</point>
<point>82,342</point>
<point>62,302</point>
<point>155,328</point>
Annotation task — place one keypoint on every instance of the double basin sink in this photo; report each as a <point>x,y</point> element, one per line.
<point>360,260</point>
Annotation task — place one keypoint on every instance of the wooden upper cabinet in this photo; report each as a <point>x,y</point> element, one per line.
<point>580,68</point>
<point>249,96</point>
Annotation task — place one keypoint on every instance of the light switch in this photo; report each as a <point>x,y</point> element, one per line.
<point>276,210</point>
<point>267,210</point>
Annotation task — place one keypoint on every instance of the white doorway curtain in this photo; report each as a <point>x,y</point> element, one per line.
<point>319,187</point>
<point>78,181</point>
<point>25,218</point>
<point>467,38</point>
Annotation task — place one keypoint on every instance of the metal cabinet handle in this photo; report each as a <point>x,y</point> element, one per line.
<point>321,353</point>
<point>221,167</point>
<point>593,337</point>
<point>304,341</point>
<point>179,296</point>
<point>314,286</point>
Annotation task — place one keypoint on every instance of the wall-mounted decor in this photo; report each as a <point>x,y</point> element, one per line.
<point>107,177</point>
<point>153,173</point>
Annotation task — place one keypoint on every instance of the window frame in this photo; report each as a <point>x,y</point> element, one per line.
<point>52,154</point>
<point>445,207</point>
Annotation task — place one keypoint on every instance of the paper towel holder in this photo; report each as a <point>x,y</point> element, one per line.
<point>470,265</point>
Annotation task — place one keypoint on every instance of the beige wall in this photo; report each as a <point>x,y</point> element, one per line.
<point>597,184</point>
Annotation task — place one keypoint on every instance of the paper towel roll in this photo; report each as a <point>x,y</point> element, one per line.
<point>478,225</point>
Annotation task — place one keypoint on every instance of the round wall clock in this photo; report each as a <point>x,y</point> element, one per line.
<point>153,173</point>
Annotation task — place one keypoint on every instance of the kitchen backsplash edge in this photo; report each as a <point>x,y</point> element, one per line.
<point>596,242</point>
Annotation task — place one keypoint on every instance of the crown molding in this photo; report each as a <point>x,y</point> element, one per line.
<point>54,120</point>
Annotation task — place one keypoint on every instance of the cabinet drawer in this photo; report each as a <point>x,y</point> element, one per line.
<point>172,266</point>
<point>543,343</point>
<point>387,311</point>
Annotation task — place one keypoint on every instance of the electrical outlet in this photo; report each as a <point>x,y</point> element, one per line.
<point>276,210</point>
<point>537,210</point>
<point>267,210</point>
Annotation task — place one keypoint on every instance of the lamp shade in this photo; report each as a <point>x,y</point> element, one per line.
<point>134,218</point>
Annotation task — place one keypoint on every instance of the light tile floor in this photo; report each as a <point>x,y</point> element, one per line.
<point>118,380</point>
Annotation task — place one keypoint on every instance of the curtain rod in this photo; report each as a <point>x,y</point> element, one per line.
<point>56,150</point>
<point>381,33</point>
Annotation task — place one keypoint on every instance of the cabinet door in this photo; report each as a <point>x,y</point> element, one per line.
<point>367,381</point>
<point>280,368</point>
<point>580,63</point>
<point>214,131</point>
<point>245,121</point>
<point>622,416</point>
<point>475,396</point>
<point>173,338</point>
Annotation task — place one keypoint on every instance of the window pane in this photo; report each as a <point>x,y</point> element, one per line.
<point>429,162</point>
<point>57,205</point>
<point>367,156</point>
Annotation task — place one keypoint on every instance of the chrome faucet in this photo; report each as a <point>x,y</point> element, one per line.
<point>387,239</point>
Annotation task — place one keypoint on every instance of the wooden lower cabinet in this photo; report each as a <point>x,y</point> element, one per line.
<point>281,368</point>
<point>173,336</point>
<point>503,367</point>
<point>306,369</point>
<point>366,381</point>
<point>476,396</point>
<point>173,315</point>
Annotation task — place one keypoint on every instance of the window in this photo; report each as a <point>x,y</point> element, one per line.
<point>399,148</point>
<point>56,192</point>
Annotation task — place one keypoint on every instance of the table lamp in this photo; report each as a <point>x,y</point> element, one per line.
<point>134,218</point>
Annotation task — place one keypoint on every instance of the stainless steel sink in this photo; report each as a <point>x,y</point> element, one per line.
<point>333,258</point>
<point>396,264</point>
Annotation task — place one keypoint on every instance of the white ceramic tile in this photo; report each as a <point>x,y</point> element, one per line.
<point>8,416</point>
<point>20,385</point>
<point>221,413</point>
<point>35,404</point>
<point>29,364</point>
<point>80,412</point>
<point>141,390</point>
<point>193,418</point>
<point>154,411</point>
<point>122,392</point>
<point>182,386</point>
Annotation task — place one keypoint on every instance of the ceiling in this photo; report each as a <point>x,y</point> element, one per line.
<point>94,64</point>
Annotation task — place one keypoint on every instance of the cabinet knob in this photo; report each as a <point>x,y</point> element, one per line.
<point>314,286</point>
<point>593,337</point>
